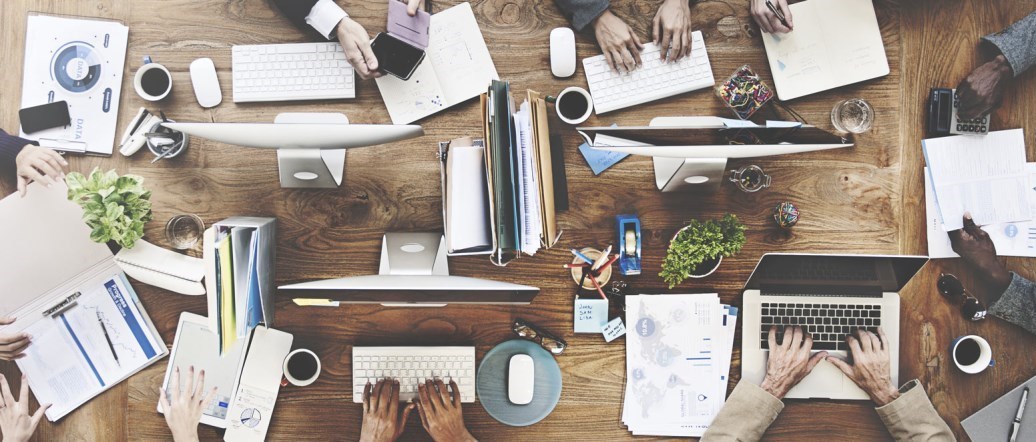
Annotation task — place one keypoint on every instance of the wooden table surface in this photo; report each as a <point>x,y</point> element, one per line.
<point>865,199</point>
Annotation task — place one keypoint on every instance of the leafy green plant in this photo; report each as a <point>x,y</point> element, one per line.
<point>701,242</point>
<point>114,207</point>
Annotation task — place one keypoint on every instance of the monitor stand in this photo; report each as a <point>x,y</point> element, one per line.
<point>696,174</point>
<point>413,254</point>
<point>311,168</point>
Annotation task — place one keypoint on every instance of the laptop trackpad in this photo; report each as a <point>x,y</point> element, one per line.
<point>824,382</point>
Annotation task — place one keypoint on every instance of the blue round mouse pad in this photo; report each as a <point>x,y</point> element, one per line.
<point>491,383</point>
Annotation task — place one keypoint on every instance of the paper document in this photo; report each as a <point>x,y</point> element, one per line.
<point>1010,239</point>
<point>96,343</point>
<point>252,408</point>
<point>467,205</point>
<point>528,185</point>
<point>80,61</point>
<point>834,43</point>
<point>981,175</point>
<point>457,67</point>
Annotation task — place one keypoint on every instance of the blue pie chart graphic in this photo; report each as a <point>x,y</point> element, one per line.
<point>76,67</point>
<point>250,417</point>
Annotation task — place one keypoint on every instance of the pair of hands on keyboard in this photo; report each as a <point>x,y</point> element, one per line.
<point>356,43</point>
<point>671,28</point>
<point>440,413</point>
<point>790,362</point>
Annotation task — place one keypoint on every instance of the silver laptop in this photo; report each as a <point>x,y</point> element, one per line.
<point>830,296</point>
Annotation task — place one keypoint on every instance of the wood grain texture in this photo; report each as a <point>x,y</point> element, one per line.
<point>866,199</point>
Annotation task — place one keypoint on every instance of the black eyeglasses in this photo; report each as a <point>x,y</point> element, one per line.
<point>552,343</point>
<point>972,309</point>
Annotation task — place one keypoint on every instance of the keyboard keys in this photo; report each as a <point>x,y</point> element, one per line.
<point>828,324</point>
<point>411,366</point>
<point>297,71</point>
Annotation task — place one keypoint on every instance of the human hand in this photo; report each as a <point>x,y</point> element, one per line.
<point>183,408</point>
<point>440,415</point>
<point>790,361</point>
<point>12,346</point>
<point>357,46</point>
<point>983,89</point>
<point>618,42</point>
<point>870,369</point>
<point>35,163</point>
<point>15,422</point>
<point>413,5</point>
<point>381,418</point>
<point>672,29</point>
<point>767,20</point>
<point>976,248</point>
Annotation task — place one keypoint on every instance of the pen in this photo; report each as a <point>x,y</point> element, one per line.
<point>575,266</point>
<point>606,264</point>
<point>1017,424</point>
<point>582,256</point>
<point>593,279</point>
<point>778,13</point>
<point>602,259</point>
<point>108,338</point>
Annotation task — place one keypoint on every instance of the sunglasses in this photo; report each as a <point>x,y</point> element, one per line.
<point>972,309</point>
<point>552,343</point>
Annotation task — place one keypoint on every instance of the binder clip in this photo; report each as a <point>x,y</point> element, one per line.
<point>629,244</point>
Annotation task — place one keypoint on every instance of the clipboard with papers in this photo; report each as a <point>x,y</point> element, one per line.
<point>89,328</point>
<point>498,192</point>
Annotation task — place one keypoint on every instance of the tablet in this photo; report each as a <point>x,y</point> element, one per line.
<point>196,345</point>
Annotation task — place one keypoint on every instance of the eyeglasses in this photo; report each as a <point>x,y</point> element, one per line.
<point>972,309</point>
<point>535,334</point>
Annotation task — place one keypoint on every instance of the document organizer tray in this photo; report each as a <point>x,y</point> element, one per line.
<point>264,231</point>
<point>444,151</point>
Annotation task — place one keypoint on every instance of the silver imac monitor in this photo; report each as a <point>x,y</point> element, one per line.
<point>413,273</point>
<point>310,146</point>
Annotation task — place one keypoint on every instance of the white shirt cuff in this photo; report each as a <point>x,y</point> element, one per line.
<point>324,16</point>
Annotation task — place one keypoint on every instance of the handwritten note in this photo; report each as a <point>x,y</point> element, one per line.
<point>613,329</point>
<point>590,315</point>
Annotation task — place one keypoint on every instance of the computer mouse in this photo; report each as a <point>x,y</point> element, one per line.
<point>205,82</point>
<point>562,52</point>
<point>521,373</point>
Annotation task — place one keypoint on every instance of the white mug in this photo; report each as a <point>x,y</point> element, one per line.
<point>570,92</point>
<point>985,355</point>
<point>139,87</point>
<point>300,382</point>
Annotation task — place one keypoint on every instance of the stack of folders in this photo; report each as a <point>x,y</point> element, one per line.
<point>678,352</point>
<point>239,260</point>
<point>520,173</point>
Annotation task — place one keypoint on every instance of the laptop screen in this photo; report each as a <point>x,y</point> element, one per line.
<point>809,273</point>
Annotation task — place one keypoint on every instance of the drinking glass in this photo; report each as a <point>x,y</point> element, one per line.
<point>853,115</point>
<point>184,231</point>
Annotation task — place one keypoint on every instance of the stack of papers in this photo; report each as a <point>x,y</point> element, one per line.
<point>678,350</point>
<point>528,187</point>
<point>238,301</point>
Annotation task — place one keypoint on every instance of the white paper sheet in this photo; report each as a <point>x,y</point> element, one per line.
<point>467,210</point>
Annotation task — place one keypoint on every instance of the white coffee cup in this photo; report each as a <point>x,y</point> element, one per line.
<point>569,93</point>
<point>294,380</point>
<point>138,79</point>
<point>985,354</point>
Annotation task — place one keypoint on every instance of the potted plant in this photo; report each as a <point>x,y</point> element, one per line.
<point>697,249</point>
<point>114,207</point>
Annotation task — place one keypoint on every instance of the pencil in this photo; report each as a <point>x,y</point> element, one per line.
<point>593,279</point>
<point>602,259</point>
<point>778,13</point>
<point>606,264</point>
<point>582,256</point>
<point>575,266</point>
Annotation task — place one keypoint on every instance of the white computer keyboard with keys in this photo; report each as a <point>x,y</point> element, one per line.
<point>654,80</point>
<point>412,366</point>
<point>293,71</point>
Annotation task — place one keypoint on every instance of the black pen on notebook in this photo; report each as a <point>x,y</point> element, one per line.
<point>1017,424</point>
<point>778,13</point>
<point>108,338</point>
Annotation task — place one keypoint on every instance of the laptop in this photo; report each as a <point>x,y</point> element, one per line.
<point>830,296</point>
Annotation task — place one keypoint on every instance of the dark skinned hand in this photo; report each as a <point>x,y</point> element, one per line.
<point>440,414</point>
<point>974,246</point>
<point>382,420</point>
<point>983,89</point>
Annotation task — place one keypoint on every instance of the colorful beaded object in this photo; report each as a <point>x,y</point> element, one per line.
<point>786,215</point>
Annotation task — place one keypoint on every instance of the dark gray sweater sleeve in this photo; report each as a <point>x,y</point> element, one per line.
<point>1018,304</point>
<point>582,12</point>
<point>1017,43</point>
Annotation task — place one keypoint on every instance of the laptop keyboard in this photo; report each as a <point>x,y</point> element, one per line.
<point>828,324</point>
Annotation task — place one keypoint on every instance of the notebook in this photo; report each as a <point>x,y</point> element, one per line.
<point>994,421</point>
<point>834,43</point>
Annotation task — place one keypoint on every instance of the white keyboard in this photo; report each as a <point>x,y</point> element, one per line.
<point>412,366</point>
<point>653,80</point>
<point>296,71</point>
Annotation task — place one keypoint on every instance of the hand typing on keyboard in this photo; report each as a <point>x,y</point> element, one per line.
<point>671,29</point>
<point>439,406</point>
<point>870,369</point>
<point>789,361</point>
<point>620,44</point>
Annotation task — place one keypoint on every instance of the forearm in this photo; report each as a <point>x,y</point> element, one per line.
<point>582,12</point>
<point>319,16</point>
<point>1017,304</point>
<point>911,416</point>
<point>1017,43</point>
<point>749,411</point>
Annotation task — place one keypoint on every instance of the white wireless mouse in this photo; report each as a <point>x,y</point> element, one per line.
<point>205,82</point>
<point>562,52</point>
<point>520,376</point>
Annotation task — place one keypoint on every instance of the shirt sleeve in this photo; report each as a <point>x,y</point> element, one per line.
<point>10,146</point>
<point>324,16</point>
<point>1018,303</point>
<point>911,417</point>
<point>745,416</point>
<point>582,12</point>
<point>1017,43</point>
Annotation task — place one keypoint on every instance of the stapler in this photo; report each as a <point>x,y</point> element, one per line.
<point>628,227</point>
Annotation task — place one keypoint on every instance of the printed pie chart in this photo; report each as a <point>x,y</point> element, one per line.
<point>250,417</point>
<point>76,67</point>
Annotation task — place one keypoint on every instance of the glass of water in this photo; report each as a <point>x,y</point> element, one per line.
<point>853,115</point>
<point>184,231</point>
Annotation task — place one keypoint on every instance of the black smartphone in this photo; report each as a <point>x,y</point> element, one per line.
<point>395,56</point>
<point>44,116</point>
